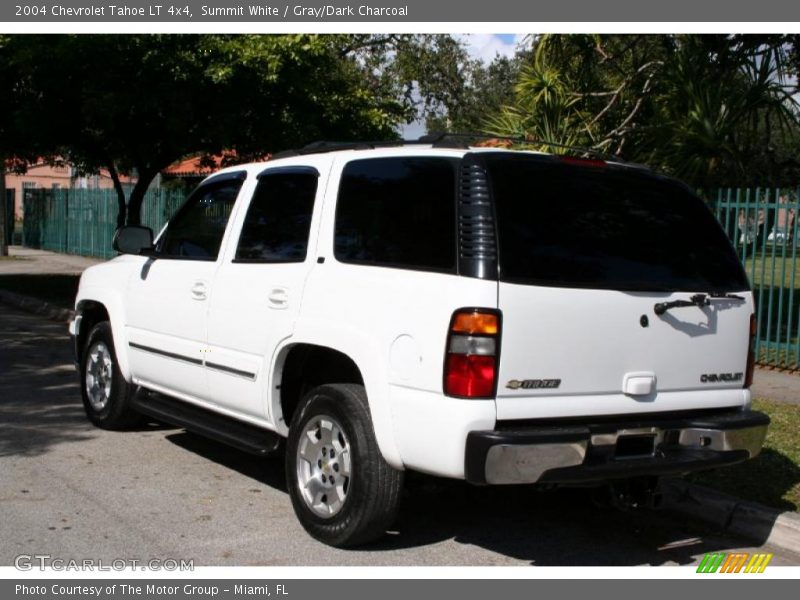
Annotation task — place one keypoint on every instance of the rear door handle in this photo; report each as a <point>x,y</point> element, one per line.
<point>199,290</point>
<point>278,298</point>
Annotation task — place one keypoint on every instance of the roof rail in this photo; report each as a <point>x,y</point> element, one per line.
<point>320,147</point>
<point>439,139</point>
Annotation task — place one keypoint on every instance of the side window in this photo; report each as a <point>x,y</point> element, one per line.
<point>398,212</point>
<point>197,228</point>
<point>278,222</point>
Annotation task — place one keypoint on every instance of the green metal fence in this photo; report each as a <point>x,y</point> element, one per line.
<point>78,221</point>
<point>762,223</point>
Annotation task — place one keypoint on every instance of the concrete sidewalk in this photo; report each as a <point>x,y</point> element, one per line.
<point>41,262</point>
<point>776,385</point>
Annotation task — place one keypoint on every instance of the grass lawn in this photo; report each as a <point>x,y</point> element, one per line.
<point>772,478</point>
<point>777,271</point>
<point>59,290</point>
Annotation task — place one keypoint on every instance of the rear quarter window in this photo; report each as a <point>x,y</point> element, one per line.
<point>398,212</point>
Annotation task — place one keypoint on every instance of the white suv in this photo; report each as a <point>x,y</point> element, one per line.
<point>497,316</point>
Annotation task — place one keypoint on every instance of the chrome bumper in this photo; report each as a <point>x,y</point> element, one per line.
<point>665,445</point>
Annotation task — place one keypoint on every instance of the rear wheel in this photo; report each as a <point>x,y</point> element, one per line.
<point>343,491</point>
<point>106,394</point>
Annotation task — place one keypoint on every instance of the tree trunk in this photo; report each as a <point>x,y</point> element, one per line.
<point>3,224</point>
<point>145,177</point>
<point>121,207</point>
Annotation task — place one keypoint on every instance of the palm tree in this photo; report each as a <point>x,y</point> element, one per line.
<point>715,121</point>
<point>544,110</point>
<point>699,107</point>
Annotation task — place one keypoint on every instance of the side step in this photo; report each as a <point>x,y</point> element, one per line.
<point>246,437</point>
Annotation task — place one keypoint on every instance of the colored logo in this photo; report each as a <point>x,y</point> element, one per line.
<point>734,562</point>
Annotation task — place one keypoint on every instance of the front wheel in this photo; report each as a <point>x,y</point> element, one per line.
<point>343,491</point>
<point>106,394</point>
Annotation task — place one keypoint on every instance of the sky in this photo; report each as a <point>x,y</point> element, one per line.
<point>484,46</point>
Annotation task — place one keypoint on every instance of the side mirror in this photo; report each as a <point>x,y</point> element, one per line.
<point>133,239</point>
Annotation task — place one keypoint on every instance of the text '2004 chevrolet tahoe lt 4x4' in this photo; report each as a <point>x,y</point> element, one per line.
<point>499,316</point>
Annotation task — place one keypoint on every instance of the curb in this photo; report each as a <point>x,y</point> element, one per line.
<point>750,520</point>
<point>37,306</point>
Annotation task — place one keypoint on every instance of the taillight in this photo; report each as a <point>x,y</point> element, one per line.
<point>470,366</point>
<point>751,354</point>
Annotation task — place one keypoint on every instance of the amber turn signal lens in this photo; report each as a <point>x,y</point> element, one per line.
<point>475,322</point>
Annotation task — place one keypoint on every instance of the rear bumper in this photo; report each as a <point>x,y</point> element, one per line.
<point>567,453</point>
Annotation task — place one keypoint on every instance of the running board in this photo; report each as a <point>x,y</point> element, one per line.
<point>246,437</point>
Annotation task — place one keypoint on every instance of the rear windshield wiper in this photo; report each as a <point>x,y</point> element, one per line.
<point>699,300</point>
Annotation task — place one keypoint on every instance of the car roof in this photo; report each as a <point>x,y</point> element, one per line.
<point>323,159</point>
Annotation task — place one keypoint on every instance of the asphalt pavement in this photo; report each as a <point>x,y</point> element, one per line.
<point>74,492</point>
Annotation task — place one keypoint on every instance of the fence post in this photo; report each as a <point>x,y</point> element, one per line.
<point>792,359</point>
<point>66,220</point>
<point>784,234</point>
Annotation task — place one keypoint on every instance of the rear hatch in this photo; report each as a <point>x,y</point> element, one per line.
<point>587,250</point>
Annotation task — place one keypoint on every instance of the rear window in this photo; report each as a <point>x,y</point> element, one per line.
<point>566,225</point>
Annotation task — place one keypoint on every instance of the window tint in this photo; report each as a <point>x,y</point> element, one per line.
<point>613,228</point>
<point>278,221</point>
<point>197,228</point>
<point>398,212</point>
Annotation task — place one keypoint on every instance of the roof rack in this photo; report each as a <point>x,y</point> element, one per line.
<point>320,147</point>
<point>437,140</point>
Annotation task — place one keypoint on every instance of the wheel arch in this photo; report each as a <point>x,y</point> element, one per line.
<point>91,313</point>
<point>98,305</point>
<point>347,359</point>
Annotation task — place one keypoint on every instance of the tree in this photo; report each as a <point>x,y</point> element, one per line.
<point>7,141</point>
<point>727,113</point>
<point>437,80</point>
<point>700,107</point>
<point>545,109</point>
<point>15,142</point>
<point>485,89</point>
<point>137,103</point>
<point>3,225</point>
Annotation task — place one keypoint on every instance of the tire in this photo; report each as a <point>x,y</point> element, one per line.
<point>106,394</point>
<point>331,436</point>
